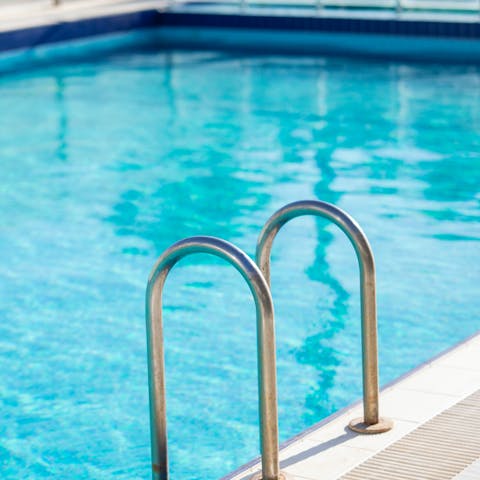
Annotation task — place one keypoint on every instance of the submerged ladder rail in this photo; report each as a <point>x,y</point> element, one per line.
<point>265,350</point>
<point>371,423</point>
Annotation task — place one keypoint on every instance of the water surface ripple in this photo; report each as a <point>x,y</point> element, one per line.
<point>107,161</point>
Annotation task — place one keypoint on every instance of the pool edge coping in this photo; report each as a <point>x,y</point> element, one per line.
<point>298,438</point>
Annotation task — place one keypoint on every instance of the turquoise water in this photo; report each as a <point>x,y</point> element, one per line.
<point>107,161</point>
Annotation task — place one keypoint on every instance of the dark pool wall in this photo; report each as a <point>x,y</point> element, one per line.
<point>384,38</point>
<point>78,29</point>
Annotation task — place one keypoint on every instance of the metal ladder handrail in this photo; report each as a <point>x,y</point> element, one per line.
<point>265,349</point>
<point>371,422</point>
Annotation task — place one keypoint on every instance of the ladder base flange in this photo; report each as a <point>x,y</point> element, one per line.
<point>359,426</point>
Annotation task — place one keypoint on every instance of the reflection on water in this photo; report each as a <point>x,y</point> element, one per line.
<point>317,349</point>
<point>198,186</point>
<point>107,162</point>
<point>63,119</point>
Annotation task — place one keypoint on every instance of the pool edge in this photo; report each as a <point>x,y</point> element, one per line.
<point>375,37</point>
<point>240,472</point>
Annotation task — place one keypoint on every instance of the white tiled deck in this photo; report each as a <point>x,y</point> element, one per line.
<point>20,14</point>
<point>331,449</point>
<point>26,14</point>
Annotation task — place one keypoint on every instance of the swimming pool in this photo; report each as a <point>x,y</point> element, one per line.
<point>107,161</point>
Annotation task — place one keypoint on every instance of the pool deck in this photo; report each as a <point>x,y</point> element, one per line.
<point>330,450</point>
<point>30,14</point>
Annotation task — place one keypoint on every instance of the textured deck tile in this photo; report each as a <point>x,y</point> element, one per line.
<point>439,449</point>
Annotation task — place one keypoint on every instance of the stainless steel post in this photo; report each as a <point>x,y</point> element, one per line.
<point>265,347</point>
<point>371,423</point>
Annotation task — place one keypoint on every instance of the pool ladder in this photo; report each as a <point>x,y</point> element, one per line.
<point>258,280</point>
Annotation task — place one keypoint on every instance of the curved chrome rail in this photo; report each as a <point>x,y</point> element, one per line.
<point>265,347</point>
<point>371,423</point>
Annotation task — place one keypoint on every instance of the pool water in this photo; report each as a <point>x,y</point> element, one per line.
<point>107,161</point>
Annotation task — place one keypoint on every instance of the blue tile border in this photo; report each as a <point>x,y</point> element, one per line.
<point>422,28</point>
<point>64,31</point>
